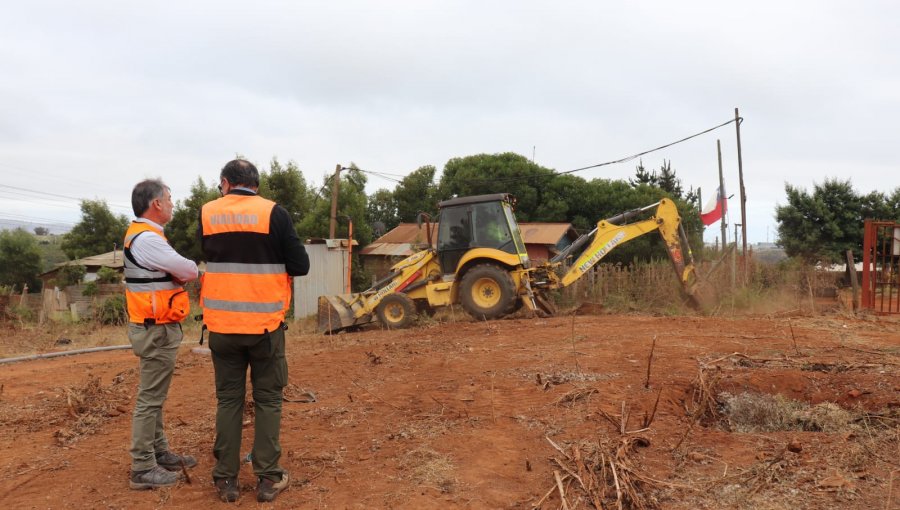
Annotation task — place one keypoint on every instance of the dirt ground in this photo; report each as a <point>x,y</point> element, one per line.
<point>505,414</point>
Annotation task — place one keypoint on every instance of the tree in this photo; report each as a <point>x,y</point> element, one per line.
<point>20,260</point>
<point>416,193</point>
<point>381,211</point>
<point>41,231</point>
<point>668,181</point>
<point>824,224</point>
<point>352,202</point>
<point>97,232</point>
<point>497,173</point>
<point>286,186</point>
<point>181,230</point>
<point>643,176</point>
<point>665,179</point>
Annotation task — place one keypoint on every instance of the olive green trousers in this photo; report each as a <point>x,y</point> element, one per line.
<point>156,346</point>
<point>231,355</point>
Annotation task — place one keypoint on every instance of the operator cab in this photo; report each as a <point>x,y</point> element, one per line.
<point>482,221</point>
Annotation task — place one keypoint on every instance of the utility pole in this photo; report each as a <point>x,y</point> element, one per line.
<point>702,226</point>
<point>335,185</point>
<point>737,127</point>
<point>722,195</point>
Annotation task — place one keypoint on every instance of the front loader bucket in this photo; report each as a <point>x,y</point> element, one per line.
<point>337,313</point>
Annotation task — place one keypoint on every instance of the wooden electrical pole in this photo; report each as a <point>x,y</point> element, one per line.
<point>702,226</point>
<point>722,197</point>
<point>335,185</point>
<point>737,127</point>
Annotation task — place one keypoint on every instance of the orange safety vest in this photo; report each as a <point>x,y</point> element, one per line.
<point>152,296</point>
<point>246,288</point>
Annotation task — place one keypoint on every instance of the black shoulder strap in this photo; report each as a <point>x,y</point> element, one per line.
<point>130,257</point>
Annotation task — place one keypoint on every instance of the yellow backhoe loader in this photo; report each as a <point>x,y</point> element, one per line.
<point>480,262</point>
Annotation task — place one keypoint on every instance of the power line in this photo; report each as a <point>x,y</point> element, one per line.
<point>635,156</point>
<point>553,174</point>
<point>33,219</point>
<point>47,193</point>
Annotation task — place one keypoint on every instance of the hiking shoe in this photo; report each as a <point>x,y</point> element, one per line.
<point>268,489</point>
<point>228,489</point>
<point>172,461</point>
<point>152,478</point>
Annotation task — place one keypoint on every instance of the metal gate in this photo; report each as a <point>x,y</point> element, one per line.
<point>880,275</point>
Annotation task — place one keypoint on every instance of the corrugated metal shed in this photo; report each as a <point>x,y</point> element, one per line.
<point>327,275</point>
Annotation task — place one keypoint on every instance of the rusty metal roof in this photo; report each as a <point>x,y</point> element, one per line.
<point>545,233</point>
<point>407,233</point>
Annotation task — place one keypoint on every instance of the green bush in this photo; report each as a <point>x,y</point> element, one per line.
<point>112,311</point>
<point>90,289</point>
<point>72,274</point>
<point>108,275</point>
<point>20,313</point>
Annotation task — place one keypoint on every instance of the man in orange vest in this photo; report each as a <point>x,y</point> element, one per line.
<point>154,274</point>
<point>252,252</point>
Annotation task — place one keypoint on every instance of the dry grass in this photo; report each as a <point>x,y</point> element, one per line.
<point>759,412</point>
<point>428,468</point>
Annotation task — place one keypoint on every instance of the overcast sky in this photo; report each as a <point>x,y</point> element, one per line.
<point>95,96</point>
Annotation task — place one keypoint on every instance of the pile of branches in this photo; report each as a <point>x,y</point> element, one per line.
<point>601,474</point>
<point>91,404</point>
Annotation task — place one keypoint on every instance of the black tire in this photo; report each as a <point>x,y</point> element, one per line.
<point>487,292</point>
<point>396,311</point>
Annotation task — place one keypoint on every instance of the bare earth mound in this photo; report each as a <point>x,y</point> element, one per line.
<point>758,412</point>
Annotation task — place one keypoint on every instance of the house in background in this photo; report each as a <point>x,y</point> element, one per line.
<point>92,264</point>
<point>542,242</point>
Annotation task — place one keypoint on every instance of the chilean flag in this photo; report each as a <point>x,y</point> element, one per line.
<point>714,210</point>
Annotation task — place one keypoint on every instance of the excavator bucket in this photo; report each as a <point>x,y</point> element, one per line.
<point>703,296</point>
<point>338,312</point>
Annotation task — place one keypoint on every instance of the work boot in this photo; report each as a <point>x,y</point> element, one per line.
<point>172,461</point>
<point>152,478</point>
<point>228,489</point>
<point>268,489</point>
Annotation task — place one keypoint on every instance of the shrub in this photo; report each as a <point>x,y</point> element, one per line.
<point>71,274</point>
<point>112,311</point>
<point>90,289</point>
<point>20,313</point>
<point>108,275</point>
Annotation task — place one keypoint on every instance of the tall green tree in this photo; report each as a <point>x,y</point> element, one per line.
<point>497,173</point>
<point>97,232</point>
<point>668,181</point>
<point>415,193</point>
<point>286,186</point>
<point>643,176</point>
<point>381,211</point>
<point>20,260</point>
<point>182,229</point>
<point>824,224</point>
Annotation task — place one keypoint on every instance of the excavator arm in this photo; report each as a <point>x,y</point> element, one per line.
<point>614,231</point>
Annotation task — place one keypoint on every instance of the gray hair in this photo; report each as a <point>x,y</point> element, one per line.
<point>145,192</point>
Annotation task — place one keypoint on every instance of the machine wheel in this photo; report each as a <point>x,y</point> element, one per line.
<point>488,292</point>
<point>396,311</point>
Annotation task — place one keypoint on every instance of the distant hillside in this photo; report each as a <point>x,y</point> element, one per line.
<point>54,228</point>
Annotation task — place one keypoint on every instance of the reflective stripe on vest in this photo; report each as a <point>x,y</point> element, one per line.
<point>236,267</point>
<point>244,297</point>
<point>242,306</point>
<point>148,293</point>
